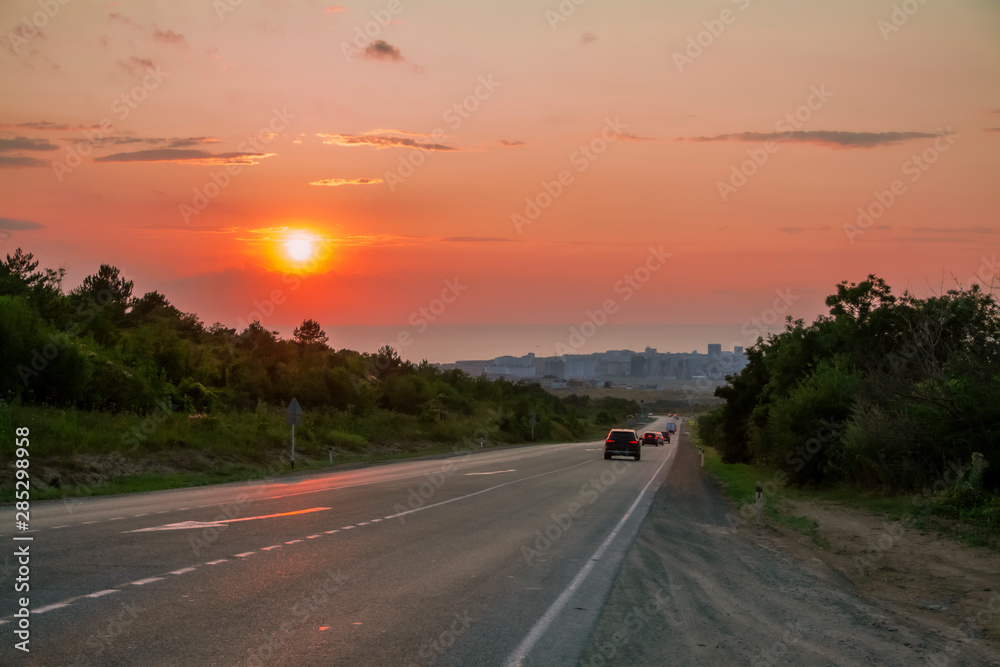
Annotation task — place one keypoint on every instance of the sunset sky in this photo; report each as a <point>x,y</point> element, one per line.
<point>406,145</point>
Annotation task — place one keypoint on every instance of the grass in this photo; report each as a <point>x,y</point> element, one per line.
<point>739,482</point>
<point>79,453</point>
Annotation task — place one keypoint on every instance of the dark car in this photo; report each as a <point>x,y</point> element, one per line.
<point>652,438</point>
<point>622,442</point>
<point>666,436</point>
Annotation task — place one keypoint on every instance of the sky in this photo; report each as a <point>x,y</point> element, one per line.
<point>433,169</point>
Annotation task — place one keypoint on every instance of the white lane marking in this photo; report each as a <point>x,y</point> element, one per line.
<point>216,562</point>
<point>144,514</point>
<point>374,520</point>
<point>363,523</point>
<point>50,607</point>
<point>185,525</point>
<point>2,622</point>
<point>494,472</point>
<point>292,541</point>
<point>273,546</point>
<point>517,658</point>
<point>331,532</point>
<point>143,582</point>
<point>162,511</point>
<point>346,527</point>
<point>244,554</point>
<point>87,522</point>
<point>492,488</point>
<point>183,570</point>
<point>181,509</point>
<point>313,537</point>
<point>56,527</point>
<point>106,591</point>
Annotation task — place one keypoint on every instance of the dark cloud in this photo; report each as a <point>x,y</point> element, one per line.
<point>382,50</point>
<point>19,225</point>
<point>46,125</point>
<point>628,136</point>
<point>189,156</point>
<point>382,141</point>
<point>169,37</point>
<point>335,182</point>
<point>956,230</point>
<point>137,66</point>
<point>26,144</point>
<point>121,18</point>
<point>16,161</point>
<point>504,142</point>
<point>802,230</point>
<point>832,138</point>
<point>191,141</point>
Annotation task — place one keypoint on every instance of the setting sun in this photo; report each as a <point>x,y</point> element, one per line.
<point>300,248</point>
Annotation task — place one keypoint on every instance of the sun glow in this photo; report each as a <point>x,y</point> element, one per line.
<point>300,248</point>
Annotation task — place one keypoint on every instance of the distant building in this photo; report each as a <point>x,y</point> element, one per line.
<point>638,367</point>
<point>714,349</point>
<point>737,350</point>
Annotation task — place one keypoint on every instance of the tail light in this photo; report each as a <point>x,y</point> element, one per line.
<point>633,442</point>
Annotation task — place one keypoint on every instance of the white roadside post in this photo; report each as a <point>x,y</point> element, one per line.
<point>293,416</point>
<point>760,504</point>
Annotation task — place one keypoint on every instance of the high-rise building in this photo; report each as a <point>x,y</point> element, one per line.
<point>714,349</point>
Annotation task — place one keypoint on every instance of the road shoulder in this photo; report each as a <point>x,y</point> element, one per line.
<point>694,590</point>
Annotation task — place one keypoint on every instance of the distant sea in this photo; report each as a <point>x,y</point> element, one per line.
<point>449,343</point>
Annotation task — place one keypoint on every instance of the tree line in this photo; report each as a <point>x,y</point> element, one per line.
<point>100,347</point>
<point>888,393</point>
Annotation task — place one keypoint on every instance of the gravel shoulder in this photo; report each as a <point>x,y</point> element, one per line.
<point>700,587</point>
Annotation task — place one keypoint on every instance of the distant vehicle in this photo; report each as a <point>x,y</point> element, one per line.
<point>666,436</point>
<point>652,438</point>
<point>672,427</point>
<point>622,442</point>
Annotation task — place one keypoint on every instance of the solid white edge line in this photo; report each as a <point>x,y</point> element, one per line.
<point>516,658</point>
<point>50,607</point>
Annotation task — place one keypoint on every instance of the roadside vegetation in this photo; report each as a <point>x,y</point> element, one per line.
<point>890,403</point>
<point>129,393</point>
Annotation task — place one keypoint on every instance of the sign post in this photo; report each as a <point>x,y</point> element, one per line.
<point>293,416</point>
<point>532,422</point>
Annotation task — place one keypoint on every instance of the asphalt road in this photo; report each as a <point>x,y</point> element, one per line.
<point>494,558</point>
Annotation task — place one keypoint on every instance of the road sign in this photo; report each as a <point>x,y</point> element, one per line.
<point>293,413</point>
<point>293,417</point>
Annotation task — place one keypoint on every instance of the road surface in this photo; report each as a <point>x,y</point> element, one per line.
<point>502,557</point>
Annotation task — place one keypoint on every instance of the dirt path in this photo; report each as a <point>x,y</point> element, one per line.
<point>695,591</point>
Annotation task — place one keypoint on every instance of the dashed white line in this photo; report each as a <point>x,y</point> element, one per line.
<point>183,570</point>
<point>87,522</point>
<point>181,509</point>
<point>375,520</point>
<point>63,526</point>
<point>363,523</point>
<point>50,607</point>
<point>331,532</point>
<point>216,562</point>
<point>245,554</point>
<point>162,511</point>
<point>273,546</point>
<point>144,514</point>
<point>313,537</point>
<point>346,527</point>
<point>292,541</point>
<point>106,591</point>
<point>143,582</point>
